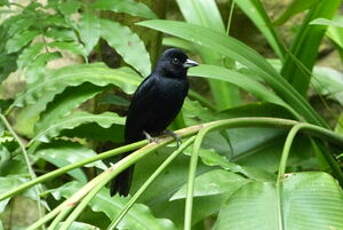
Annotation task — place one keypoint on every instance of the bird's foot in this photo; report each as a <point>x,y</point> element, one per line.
<point>173,135</point>
<point>150,138</point>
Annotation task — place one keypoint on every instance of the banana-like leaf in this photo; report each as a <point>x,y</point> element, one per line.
<point>206,13</point>
<point>139,217</point>
<point>238,79</point>
<point>211,183</point>
<point>202,12</point>
<point>234,49</point>
<point>306,201</point>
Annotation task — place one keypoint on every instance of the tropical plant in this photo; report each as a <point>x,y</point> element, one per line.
<point>268,163</point>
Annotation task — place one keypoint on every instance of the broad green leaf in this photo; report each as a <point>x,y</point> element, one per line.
<point>305,46</point>
<point>64,103</point>
<point>29,54</point>
<point>337,22</point>
<point>80,226</point>
<point>179,43</point>
<point>125,6</point>
<point>69,7</point>
<point>238,79</point>
<point>311,200</point>
<point>202,12</point>
<point>138,218</point>
<point>328,82</point>
<point>258,15</point>
<point>127,44</point>
<point>5,156</point>
<point>62,153</point>
<point>3,3</point>
<point>294,8</point>
<point>35,70</point>
<point>7,65</point>
<point>211,183</point>
<point>89,30</point>
<point>72,47</point>
<point>339,125</point>
<point>76,119</point>
<point>212,158</point>
<point>335,29</point>
<point>94,132</point>
<point>168,182</point>
<point>206,13</point>
<point>234,49</point>
<point>39,94</point>
<point>20,40</point>
<point>10,182</point>
<point>61,34</point>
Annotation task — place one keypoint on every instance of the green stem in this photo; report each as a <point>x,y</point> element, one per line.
<point>112,172</point>
<point>33,176</point>
<point>83,204</point>
<point>245,122</point>
<point>21,145</point>
<point>70,202</point>
<point>147,183</point>
<point>60,217</point>
<point>236,122</point>
<point>60,171</point>
<point>282,168</point>
<point>232,7</point>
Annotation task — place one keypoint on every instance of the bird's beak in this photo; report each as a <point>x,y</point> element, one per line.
<point>190,63</point>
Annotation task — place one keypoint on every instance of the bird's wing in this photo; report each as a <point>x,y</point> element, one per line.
<point>139,107</point>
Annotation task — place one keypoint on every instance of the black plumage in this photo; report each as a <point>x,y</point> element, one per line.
<point>155,104</point>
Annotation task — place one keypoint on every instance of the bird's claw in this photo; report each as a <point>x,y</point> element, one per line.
<point>173,135</point>
<point>150,138</point>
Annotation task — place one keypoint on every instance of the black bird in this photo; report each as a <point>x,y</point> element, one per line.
<point>155,104</point>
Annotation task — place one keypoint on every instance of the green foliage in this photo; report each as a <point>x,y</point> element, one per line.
<point>297,198</point>
<point>111,206</point>
<point>69,67</point>
<point>305,46</point>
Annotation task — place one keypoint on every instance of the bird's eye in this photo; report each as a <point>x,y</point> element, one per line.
<point>176,61</point>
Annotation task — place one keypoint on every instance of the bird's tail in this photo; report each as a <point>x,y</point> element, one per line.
<point>122,183</point>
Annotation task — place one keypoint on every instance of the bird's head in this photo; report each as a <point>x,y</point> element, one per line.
<point>174,63</point>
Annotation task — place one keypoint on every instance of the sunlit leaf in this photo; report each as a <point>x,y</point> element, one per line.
<point>234,49</point>
<point>294,8</point>
<point>62,153</point>
<point>127,44</point>
<point>258,15</point>
<point>138,218</point>
<point>213,183</point>
<point>20,40</point>
<point>64,103</point>
<point>125,6</point>
<point>304,50</point>
<point>76,119</point>
<point>306,201</point>
<point>89,29</point>
<point>39,94</point>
